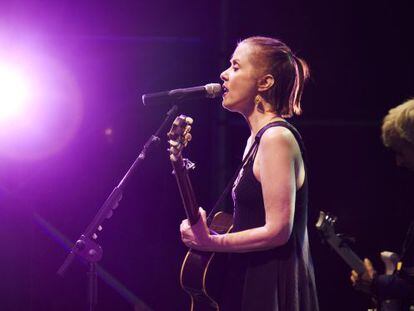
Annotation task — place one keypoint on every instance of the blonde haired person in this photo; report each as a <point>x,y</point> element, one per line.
<point>398,135</point>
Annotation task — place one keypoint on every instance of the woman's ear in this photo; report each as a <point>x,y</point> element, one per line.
<point>265,83</point>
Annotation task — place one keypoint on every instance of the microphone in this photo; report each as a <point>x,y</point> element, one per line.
<point>211,90</point>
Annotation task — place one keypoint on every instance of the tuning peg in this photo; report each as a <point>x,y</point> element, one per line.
<point>331,219</point>
<point>188,137</point>
<point>173,142</point>
<point>189,120</point>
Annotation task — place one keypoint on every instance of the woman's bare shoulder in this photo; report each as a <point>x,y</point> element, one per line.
<point>278,136</point>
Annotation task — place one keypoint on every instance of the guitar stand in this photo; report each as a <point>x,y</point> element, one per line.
<point>86,246</point>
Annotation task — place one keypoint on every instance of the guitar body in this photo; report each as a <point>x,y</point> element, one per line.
<point>202,272</point>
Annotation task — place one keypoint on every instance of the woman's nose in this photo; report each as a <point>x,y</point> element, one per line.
<point>223,75</point>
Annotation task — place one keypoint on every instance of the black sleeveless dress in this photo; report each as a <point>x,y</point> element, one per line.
<point>280,279</point>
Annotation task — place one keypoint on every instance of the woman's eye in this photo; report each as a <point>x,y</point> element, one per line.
<point>235,68</point>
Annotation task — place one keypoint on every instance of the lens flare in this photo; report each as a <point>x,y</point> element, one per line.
<point>14,93</point>
<point>40,104</point>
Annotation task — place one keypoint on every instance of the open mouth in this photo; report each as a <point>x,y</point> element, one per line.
<point>225,91</point>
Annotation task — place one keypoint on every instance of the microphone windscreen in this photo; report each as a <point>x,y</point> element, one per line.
<point>213,90</point>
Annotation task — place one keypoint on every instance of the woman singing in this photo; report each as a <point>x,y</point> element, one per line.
<point>270,264</point>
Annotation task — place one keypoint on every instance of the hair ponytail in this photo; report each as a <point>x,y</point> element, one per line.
<point>289,71</point>
<point>302,74</point>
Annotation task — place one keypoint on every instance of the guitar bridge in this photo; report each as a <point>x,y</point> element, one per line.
<point>188,164</point>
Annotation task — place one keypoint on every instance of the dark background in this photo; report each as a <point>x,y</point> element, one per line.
<point>360,55</point>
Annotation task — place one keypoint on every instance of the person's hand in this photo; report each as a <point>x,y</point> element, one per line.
<point>363,282</point>
<point>196,236</point>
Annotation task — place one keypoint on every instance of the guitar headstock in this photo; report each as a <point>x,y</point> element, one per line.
<point>179,136</point>
<point>338,242</point>
<point>326,224</point>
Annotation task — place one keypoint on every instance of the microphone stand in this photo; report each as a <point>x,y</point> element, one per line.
<point>86,246</point>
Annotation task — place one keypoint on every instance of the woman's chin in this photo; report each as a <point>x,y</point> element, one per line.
<point>234,106</point>
<point>227,107</point>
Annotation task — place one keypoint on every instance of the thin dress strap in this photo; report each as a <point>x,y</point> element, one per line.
<point>290,127</point>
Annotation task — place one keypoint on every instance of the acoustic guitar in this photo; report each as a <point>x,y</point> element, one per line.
<point>201,272</point>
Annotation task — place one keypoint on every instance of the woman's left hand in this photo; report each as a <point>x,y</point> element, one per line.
<point>198,235</point>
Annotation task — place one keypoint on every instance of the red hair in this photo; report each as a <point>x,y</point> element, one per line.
<point>289,71</point>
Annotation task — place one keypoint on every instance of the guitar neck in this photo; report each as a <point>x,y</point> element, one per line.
<point>186,191</point>
<point>346,253</point>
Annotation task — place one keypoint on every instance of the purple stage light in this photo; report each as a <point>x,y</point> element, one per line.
<point>14,93</point>
<point>40,104</point>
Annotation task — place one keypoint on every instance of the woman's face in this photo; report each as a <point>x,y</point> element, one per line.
<point>240,80</point>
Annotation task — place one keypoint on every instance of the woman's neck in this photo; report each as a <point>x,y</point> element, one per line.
<point>258,119</point>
